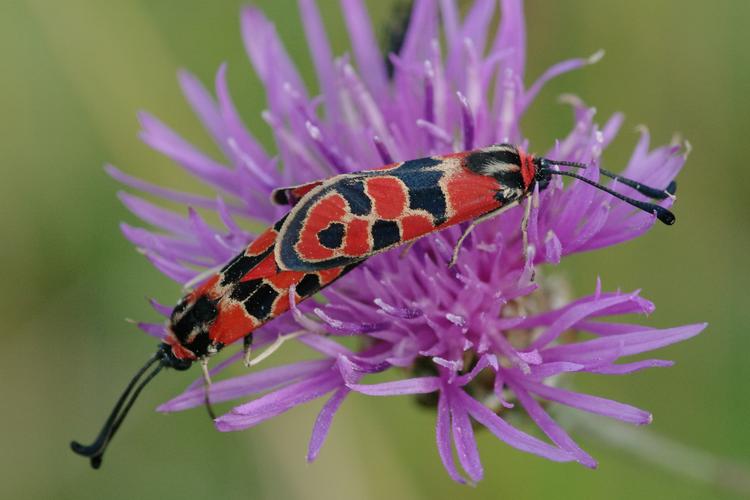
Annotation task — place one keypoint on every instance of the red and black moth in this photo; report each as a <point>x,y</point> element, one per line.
<point>333,226</point>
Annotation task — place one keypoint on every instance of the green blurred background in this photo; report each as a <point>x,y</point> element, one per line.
<point>74,74</point>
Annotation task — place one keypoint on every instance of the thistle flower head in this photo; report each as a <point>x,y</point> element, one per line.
<point>488,337</point>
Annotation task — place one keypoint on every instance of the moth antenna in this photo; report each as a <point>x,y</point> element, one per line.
<point>661,213</point>
<point>644,189</point>
<point>96,450</point>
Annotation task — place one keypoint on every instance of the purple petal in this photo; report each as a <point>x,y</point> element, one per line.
<point>321,55</point>
<point>204,105</point>
<point>266,51</point>
<point>625,344</point>
<point>171,270</point>
<point>160,308</point>
<point>626,368</point>
<point>555,71</point>
<point>236,128</point>
<point>607,329</point>
<point>547,370</point>
<point>552,248</point>
<point>157,330</point>
<point>323,423</point>
<point>420,385</point>
<point>550,427</point>
<point>574,315</point>
<point>162,139</point>
<point>167,194</point>
<point>422,30</point>
<point>156,216</point>
<point>512,436</point>
<point>366,50</point>
<point>592,404</point>
<point>466,445</point>
<point>512,35</point>
<point>245,385</point>
<point>443,436</point>
<point>278,402</point>
<point>167,247</point>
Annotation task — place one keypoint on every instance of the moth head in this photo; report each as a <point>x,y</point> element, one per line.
<point>189,326</point>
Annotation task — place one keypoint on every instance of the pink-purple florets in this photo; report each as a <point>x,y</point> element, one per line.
<point>492,335</point>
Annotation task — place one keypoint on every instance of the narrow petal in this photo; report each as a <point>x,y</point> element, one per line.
<point>550,427</point>
<point>512,35</point>
<point>320,51</point>
<point>592,404</point>
<point>626,344</point>
<point>167,194</point>
<point>267,53</point>
<point>245,385</point>
<point>170,269</point>
<point>278,402</point>
<point>169,247</point>
<point>163,139</point>
<point>509,434</point>
<point>323,423</point>
<point>466,445</point>
<point>160,308</point>
<point>204,105</point>
<point>366,50</point>
<point>574,315</point>
<point>555,71</point>
<point>420,385</point>
<point>235,126</point>
<point>156,330</point>
<point>627,368</point>
<point>155,215</point>
<point>422,30</point>
<point>443,436</point>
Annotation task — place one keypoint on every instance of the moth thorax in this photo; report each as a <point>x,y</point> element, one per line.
<point>502,162</point>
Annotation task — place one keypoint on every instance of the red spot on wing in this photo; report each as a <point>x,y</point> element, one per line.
<point>471,195</point>
<point>328,275</point>
<point>285,279</point>
<point>414,226</point>
<point>232,323</point>
<point>262,242</point>
<point>266,267</point>
<point>388,196</point>
<point>301,191</point>
<point>207,287</point>
<point>281,305</point>
<point>330,209</point>
<point>357,240</point>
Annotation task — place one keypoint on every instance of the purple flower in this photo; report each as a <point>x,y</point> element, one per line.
<point>490,337</point>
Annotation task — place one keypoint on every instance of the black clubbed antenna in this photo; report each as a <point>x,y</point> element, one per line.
<point>96,450</point>
<point>661,213</point>
<point>645,190</point>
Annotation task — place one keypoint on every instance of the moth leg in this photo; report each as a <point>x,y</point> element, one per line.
<point>525,227</point>
<point>207,388</point>
<point>475,223</point>
<point>247,348</point>
<point>276,345</point>
<point>460,241</point>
